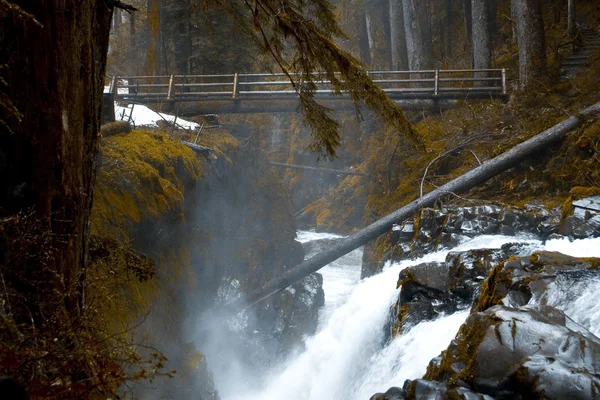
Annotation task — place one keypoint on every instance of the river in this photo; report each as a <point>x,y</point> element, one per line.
<point>349,359</point>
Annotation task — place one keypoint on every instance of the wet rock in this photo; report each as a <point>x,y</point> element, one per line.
<point>393,393</point>
<point>585,220</point>
<point>514,345</point>
<point>431,289</point>
<point>436,229</point>
<point>537,352</point>
<point>518,280</point>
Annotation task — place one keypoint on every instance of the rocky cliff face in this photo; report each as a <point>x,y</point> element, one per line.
<point>217,223</point>
<point>517,342</point>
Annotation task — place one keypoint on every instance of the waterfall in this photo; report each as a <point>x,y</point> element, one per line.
<point>577,299</point>
<point>344,358</point>
<point>348,358</point>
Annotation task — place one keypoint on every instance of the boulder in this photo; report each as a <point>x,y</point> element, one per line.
<point>431,289</point>
<point>393,393</point>
<point>519,279</point>
<point>531,352</point>
<point>585,219</point>
<point>434,229</point>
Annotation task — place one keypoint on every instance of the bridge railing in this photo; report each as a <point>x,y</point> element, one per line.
<point>397,84</point>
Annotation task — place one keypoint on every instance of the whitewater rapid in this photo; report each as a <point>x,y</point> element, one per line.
<point>348,358</point>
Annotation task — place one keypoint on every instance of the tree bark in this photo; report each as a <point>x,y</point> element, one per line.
<point>363,38</point>
<point>153,22</point>
<point>398,36</point>
<point>493,19</point>
<point>448,30</point>
<point>468,18</point>
<point>117,20</point>
<point>531,40</point>
<point>572,26</point>
<point>461,184</point>
<point>481,43</point>
<point>54,72</point>
<point>370,35</point>
<point>176,23</point>
<point>417,28</point>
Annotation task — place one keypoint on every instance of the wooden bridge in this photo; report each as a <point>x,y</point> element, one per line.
<point>256,93</point>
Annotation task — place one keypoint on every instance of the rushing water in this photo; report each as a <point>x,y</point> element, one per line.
<point>348,359</point>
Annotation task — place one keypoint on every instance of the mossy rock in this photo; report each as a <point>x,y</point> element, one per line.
<point>528,353</point>
<point>520,278</point>
<point>144,177</point>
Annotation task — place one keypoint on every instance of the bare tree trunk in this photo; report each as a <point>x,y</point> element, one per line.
<point>370,35</point>
<point>468,20</point>
<point>448,30</point>
<point>481,43</point>
<point>387,43</point>
<point>417,27</point>
<point>398,36</point>
<point>493,19</point>
<point>153,58</point>
<point>363,38</point>
<point>461,184</point>
<point>183,39</point>
<point>116,20</point>
<point>571,18</point>
<point>54,72</point>
<point>531,40</point>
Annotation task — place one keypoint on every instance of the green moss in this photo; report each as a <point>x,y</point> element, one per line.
<point>403,311</point>
<point>494,288</point>
<point>143,176</point>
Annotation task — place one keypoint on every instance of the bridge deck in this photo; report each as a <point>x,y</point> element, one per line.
<point>228,91</point>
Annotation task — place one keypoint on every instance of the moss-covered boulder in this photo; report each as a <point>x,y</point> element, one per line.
<point>518,280</point>
<point>437,229</point>
<point>516,343</point>
<point>581,213</point>
<point>529,353</point>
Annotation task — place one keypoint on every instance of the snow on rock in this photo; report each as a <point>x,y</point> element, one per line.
<point>144,116</point>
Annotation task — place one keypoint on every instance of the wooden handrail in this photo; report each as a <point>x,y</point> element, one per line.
<point>429,83</point>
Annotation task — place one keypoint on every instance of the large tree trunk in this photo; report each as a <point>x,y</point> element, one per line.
<point>448,32</point>
<point>461,184</point>
<point>377,28</point>
<point>398,36</point>
<point>417,27</point>
<point>363,38</point>
<point>468,21</point>
<point>370,35</point>
<point>54,72</point>
<point>493,19</point>
<point>572,26</point>
<point>182,40</point>
<point>153,27</point>
<point>531,40</point>
<point>481,43</point>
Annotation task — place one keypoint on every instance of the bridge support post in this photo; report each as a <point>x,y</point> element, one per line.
<point>113,85</point>
<point>236,89</point>
<point>170,92</point>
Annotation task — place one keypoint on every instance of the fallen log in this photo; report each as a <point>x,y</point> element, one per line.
<point>318,169</point>
<point>197,147</point>
<point>461,184</point>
